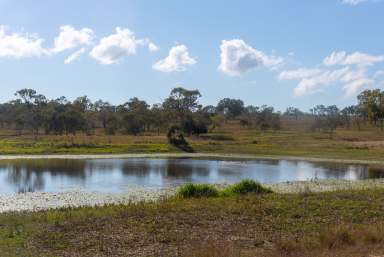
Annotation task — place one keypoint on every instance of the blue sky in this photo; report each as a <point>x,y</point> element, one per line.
<point>281,53</point>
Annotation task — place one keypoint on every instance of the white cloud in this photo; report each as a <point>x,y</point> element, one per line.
<point>362,59</point>
<point>70,38</point>
<point>177,60</point>
<point>20,45</point>
<point>109,50</point>
<point>379,74</point>
<point>356,58</point>
<point>335,58</point>
<point>152,47</point>
<point>352,2</point>
<point>312,84</point>
<point>299,73</point>
<point>115,47</point>
<point>353,75</point>
<point>237,58</point>
<point>76,55</point>
<point>355,86</point>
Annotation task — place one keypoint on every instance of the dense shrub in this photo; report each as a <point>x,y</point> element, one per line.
<point>197,191</point>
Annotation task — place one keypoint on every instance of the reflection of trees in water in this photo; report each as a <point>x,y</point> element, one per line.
<point>139,168</point>
<point>24,181</point>
<point>186,168</point>
<point>268,162</point>
<point>99,166</point>
<point>28,175</point>
<point>166,168</point>
<point>340,170</point>
<point>375,172</point>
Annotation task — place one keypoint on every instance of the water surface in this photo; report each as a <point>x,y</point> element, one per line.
<point>118,175</point>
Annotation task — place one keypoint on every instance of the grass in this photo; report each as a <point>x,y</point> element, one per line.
<point>245,187</point>
<point>343,223</point>
<point>291,140</point>
<point>197,191</point>
<point>204,190</point>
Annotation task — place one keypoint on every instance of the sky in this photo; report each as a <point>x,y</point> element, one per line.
<point>276,52</point>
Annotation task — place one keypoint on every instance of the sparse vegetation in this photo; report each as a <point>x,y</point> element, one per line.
<point>344,223</point>
<point>135,127</point>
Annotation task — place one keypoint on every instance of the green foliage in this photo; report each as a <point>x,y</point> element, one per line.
<point>197,191</point>
<point>203,190</point>
<point>244,187</point>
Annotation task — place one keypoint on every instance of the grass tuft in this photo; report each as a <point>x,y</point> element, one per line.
<point>203,190</point>
<point>197,191</point>
<point>245,187</point>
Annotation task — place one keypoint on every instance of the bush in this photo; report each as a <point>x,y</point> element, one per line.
<point>245,187</point>
<point>197,191</point>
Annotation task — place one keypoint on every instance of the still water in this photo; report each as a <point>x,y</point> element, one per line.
<point>117,175</point>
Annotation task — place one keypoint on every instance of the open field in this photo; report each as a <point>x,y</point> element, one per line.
<point>343,223</point>
<point>231,138</point>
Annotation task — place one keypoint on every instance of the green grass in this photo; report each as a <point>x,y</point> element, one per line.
<point>245,187</point>
<point>197,191</point>
<point>204,190</point>
<point>231,138</point>
<point>303,224</point>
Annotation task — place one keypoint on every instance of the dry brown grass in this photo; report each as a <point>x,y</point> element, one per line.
<point>347,223</point>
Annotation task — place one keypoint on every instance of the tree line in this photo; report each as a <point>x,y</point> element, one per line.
<point>34,113</point>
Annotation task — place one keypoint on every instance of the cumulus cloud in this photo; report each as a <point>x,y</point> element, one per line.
<point>20,45</point>
<point>356,58</point>
<point>352,71</point>
<point>353,80</point>
<point>73,57</point>
<point>109,50</point>
<point>352,2</point>
<point>70,38</point>
<point>177,60</point>
<point>237,58</point>
<point>353,74</point>
<point>115,47</point>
